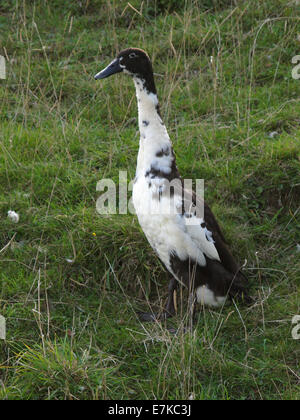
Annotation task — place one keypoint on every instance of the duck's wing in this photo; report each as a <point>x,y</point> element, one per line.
<point>203,227</point>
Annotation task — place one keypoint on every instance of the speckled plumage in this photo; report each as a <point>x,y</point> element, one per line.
<point>192,247</point>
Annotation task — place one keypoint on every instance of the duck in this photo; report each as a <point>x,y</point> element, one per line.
<point>180,226</point>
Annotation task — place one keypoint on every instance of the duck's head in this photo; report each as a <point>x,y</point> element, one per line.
<point>134,62</point>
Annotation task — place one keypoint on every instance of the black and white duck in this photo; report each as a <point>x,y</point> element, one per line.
<point>190,244</point>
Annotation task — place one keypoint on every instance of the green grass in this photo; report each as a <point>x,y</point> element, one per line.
<point>72,329</point>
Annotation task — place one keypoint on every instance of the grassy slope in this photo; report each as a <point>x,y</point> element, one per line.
<point>72,328</point>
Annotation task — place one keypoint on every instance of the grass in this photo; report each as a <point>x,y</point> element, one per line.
<point>224,76</point>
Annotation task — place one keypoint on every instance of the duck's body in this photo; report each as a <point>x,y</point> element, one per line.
<point>190,245</point>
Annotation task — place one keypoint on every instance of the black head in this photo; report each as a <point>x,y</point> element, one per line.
<point>135,62</point>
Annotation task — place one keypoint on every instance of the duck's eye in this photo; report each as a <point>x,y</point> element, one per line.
<point>132,55</point>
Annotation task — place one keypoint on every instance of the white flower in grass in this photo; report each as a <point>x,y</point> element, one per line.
<point>13,216</point>
<point>273,134</point>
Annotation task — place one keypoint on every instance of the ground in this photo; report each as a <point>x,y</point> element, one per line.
<point>71,280</point>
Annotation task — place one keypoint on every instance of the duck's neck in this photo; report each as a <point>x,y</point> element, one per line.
<point>155,151</point>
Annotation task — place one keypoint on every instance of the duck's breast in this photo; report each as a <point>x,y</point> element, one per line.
<point>160,217</point>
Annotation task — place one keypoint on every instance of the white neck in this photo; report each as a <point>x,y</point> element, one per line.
<point>153,134</point>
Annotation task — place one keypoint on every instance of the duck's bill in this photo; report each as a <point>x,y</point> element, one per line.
<point>112,68</point>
